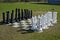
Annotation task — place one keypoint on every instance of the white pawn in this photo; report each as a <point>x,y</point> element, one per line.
<point>29,21</point>
<point>25,27</point>
<point>15,24</point>
<point>23,22</point>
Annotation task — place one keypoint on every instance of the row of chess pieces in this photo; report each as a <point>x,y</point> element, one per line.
<point>16,15</point>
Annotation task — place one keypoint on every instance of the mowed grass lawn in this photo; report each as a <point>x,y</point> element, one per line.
<point>10,33</point>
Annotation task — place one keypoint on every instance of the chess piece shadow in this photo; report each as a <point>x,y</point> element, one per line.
<point>23,31</point>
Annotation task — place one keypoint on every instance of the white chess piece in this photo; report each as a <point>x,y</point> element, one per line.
<point>49,19</point>
<point>32,28</point>
<point>23,22</point>
<point>15,24</point>
<point>25,27</point>
<point>39,28</point>
<point>33,24</point>
<point>54,18</point>
<point>29,21</point>
<point>35,19</point>
<point>45,22</point>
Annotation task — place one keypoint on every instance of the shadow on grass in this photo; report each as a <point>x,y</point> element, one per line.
<point>1,23</point>
<point>22,31</point>
<point>46,4</point>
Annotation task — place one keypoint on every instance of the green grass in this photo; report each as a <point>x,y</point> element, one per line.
<point>10,33</point>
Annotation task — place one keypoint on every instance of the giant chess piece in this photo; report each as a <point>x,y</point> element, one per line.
<point>26,13</point>
<point>7,17</point>
<point>22,14</point>
<point>12,17</point>
<point>31,14</point>
<point>42,21</point>
<point>35,19</point>
<point>45,26</point>
<point>29,22</point>
<point>16,20</point>
<point>19,17</point>
<point>3,14</point>
<point>16,24</point>
<point>34,25</point>
<point>39,28</point>
<point>24,25</point>
<point>54,17</point>
<point>49,19</point>
<point>29,17</point>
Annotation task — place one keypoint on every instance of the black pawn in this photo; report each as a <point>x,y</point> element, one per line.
<point>12,17</point>
<point>3,14</point>
<point>16,15</point>
<point>7,17</point>
<point>19,18</point>
<point>31,14</point>
<point>22,15</point>
<point>25,13</point>
<point>28,14</point>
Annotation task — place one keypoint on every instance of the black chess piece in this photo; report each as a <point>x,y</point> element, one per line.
<point>22,14</point>
<point>7,17</point>
<point>3,14</point>
<point>19,17</point>
<point>26,14</point>
<point>12,17</point>
<point>16,19</point>
<point>31,14</point>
